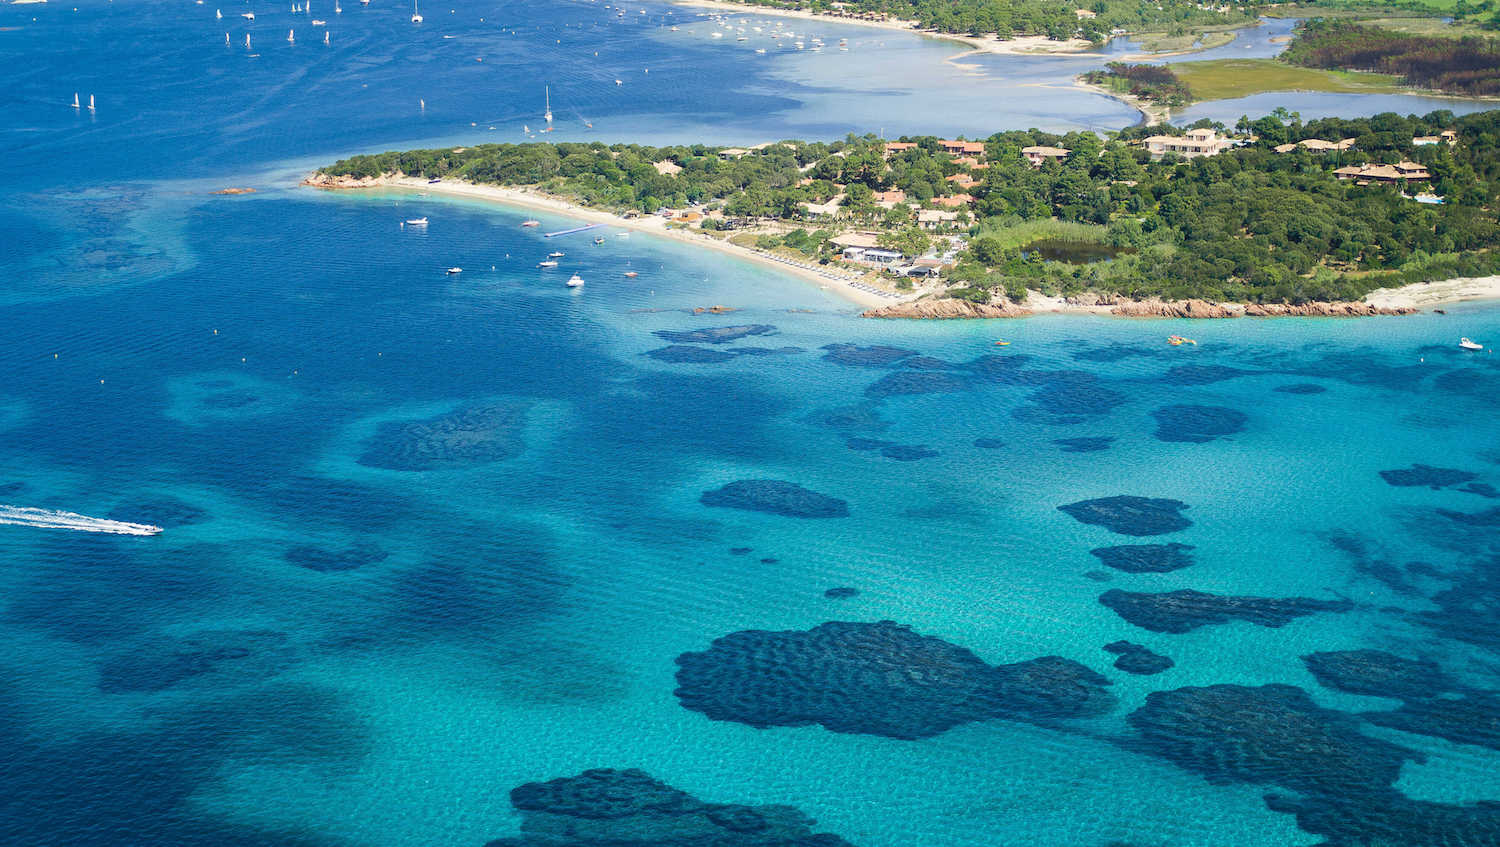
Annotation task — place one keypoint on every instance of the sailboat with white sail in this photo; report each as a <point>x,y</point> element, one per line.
<point>75,100</point>
<point>416,17</point>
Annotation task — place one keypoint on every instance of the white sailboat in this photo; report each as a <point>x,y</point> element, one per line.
<point>91,102</point>
<point>247,41</point>
<point>218,15</point>
<point>325,36</point>
<point>416,17</point>
<point>337,9</point>
<point>291,37</point>
<point>421,104</point>
<point>226,39</point>
<point>546,93</point>
<point>75,100</point>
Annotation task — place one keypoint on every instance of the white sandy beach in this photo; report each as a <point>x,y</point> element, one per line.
<point>528,199</point>
<point>1426,294</point>
<point>1028,45</point>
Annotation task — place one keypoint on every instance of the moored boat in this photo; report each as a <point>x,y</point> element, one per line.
<point>1469,345</point>
<point>575,281</point>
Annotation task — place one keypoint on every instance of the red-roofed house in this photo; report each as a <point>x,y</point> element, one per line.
<point>963,148</point>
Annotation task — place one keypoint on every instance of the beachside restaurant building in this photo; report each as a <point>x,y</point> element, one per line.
<point>864,248</point>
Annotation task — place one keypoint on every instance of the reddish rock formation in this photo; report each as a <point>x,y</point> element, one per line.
<point>944,309</point>
<point>322,180</point>
<point>1332,310</point>
<point>1205,309</point>
<point>234,191</point>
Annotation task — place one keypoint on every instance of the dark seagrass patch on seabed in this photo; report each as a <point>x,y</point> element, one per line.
<point>1197,424</point>
<point>471,435</point>
<point>1085,444</point>
<point>162,662</point>
<point>165,512</point>
<point>1126,514</point>
<point>686,354</point>
<point>1138,659</point>
<point>908,452</point>
<point>878,679</point>
<point>327,560</point>
<point>1419,475</point>
<point>1146,558</point>
<point>713,335</point>
<point>628,808</point>
<point>898,383</point>
<point>1186,610</point>
<point>776,497</point>
<point>1300,388</point>
<point>877,356</point>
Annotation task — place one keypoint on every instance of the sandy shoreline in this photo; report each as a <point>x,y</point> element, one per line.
<point>1028,45</point>
<point>1415,297</point>
<point>1426,294</point>
<point>528,199</point>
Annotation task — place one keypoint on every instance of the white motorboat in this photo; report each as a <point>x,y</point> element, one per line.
<point>555,254</point>
<point>249,16</point>
<point>531,223</point>
<point>452,271</point>
<point>575,281</point>
<point>1470,345</point>
<point>547,264</point>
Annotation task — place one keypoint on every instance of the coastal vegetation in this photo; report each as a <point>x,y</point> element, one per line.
<point>1155,83</point>
<point>1268,221</point>
<point>1051,18</point>
<point>1456,65</point>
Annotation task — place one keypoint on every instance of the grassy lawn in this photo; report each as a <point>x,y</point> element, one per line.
<point>1226,79</point>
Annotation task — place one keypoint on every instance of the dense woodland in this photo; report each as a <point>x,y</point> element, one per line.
<point>1248,225</point>
<point>1053,18</point>
<point>1155,83</point>
<point>1456,65</point>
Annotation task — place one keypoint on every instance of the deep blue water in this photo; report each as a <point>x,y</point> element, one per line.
<point>432,537</point>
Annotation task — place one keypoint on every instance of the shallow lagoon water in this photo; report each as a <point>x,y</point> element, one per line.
<point>430,537</point>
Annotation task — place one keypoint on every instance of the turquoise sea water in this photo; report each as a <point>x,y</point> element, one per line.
<point>431,537</point>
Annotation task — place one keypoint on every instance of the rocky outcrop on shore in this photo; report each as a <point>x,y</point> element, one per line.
<point>1206,309</point>
<point>945,309</point>
<point>323,180</point>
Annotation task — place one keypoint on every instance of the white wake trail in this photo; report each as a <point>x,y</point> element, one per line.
<point>54,519</point>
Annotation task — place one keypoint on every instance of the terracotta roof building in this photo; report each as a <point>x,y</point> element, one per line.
<point>1316,145</point>
<point>963,148</point>
<point>1365,174</point>
<point>1039,154</point>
